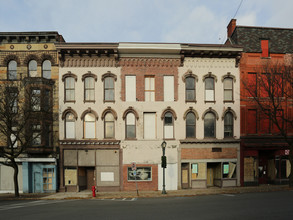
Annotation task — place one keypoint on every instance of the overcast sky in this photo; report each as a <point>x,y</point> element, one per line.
<point>183,21</point>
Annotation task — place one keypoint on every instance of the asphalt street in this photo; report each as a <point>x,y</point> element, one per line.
<point>270,205</point>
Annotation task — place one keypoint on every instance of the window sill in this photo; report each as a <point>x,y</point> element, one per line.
<point>210,102</point>
<point>130,139</point>
<point>190,101</point>
<point>89,101</point>
<point>69,101</point>
<point>231,101</point>
<point>169,139</point>
<point>109,101</point>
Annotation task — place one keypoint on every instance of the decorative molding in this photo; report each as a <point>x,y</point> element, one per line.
<point>9,58</point>
<point>69,74</point>
<point>130,110</point>
<point>109,110</point>
<point>212,111</point>
<point>109,74</point>
<point>89,110</point>
<point>151,62</point>
<point>46,56</point>
<point>209,75</point>
<point>229,75</point>
<point>189,74</point>
<point>191,109</point>
<point>169,109</point>
<point>30,57</point>
<point>69,110</point>
<point>88,61</point>
<point>89,74</point>
<point>229,109</point>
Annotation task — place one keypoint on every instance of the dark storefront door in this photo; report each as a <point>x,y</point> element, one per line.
<point>263,169</point>
<point>90,173</point>
<point>185,175</point>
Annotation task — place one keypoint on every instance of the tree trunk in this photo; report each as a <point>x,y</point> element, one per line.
<point>15,178</point>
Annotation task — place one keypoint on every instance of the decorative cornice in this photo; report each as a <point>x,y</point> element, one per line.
<point>109,74</point>
<point>69,110</point>
<point>212,111</point>
<point>210,75</point>
<point>69,74</point>
<point>189,74</point>
<point>229,109</point>
<point>89,74</point>
<point>90,142</point>
<point>89,62</point>
<point>130,110</point>
<point>109,110</point>
<point>191,109</point>
<point>229,75</point>
<point>150,62</point>
<point>169,109</point>
<point>89,110</point>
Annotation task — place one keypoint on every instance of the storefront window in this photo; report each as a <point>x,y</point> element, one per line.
<point>229,170</point>
<point>142,174</point>
<point>48,179</point>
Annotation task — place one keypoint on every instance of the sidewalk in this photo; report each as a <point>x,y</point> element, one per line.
<point>148,194</point>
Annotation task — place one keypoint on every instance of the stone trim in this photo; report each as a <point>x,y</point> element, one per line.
<point>169,109</point>
<point>69,110</point>
<point>130,110</point>
<point>229,109</point>
<point>109,109</point>
<point>191,109</point>
<point>89,110</point>
<point>210,110</point>
<point>150,62</point>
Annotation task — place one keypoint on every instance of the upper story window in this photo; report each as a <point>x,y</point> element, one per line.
<point>69,89</point>
<point>36,135</point>
<point>12,99</point>
<point>89,89</point>
<point>69,125</point>
<point>130,126</point>
<point>189,89</point>
<point>32,68</point>
<point>228,125</point>
<point>169,88</point>
<point>12,70</point>
<point>47,101</point>
<point>252,84</point>
<point>149,88</point>
<point>149,125</point>
<point>89,126</point>
<point>168,125</point>
<point>209,89</point>
<point>13,138</point>
<point>130,88</point>
<point>46,69</point>
<point>228,89</point>
<point>109,126</point>
<point>190,125</point>
<point>109,95</point>
<point>209,125</point>
<point>36,100</point>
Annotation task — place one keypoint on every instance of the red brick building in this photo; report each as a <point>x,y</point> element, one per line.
<point>264,154</point>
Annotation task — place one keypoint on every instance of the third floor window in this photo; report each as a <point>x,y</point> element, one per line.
<point>69,89</point>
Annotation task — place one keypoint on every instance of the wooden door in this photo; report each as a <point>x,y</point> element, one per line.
<point>90,174</point>
<point>210,176</point>
<point>184,176</point>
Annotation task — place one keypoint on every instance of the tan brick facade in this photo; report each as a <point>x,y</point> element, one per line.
<point>207,153</point>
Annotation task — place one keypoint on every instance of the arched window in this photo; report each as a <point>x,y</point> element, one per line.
<point>46,69</point>
<point>109,89</point>
<point>109,125</point>
<point>130,126</point>
<point>89,126</point>
<point>190,88</point>
<point>32,68</point>
<point>69,89</point>
<point>69,125</point>
<point>12,70</point>
<point>228,125</point>
<point>228,89</point>
<point>190,125</point>
<point>209,125</point>
<point>168,126</point>
<point>209,89</point>
<point>89,89</point>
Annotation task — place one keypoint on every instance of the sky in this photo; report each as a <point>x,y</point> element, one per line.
<point>168,21</point>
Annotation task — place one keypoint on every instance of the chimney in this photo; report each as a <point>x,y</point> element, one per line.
<point>231,27</point>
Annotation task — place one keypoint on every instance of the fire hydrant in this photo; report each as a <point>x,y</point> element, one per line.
<point>94,191</point>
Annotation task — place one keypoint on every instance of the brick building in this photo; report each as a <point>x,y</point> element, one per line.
<point>31,58</point>
<point>264,158</point>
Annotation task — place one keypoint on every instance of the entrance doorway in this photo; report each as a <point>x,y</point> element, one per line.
<point>263,168</point>
<point>185,175</point>
<point>86,178</point>
<point>213,174</point>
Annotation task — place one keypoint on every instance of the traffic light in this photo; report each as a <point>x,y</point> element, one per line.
<point>164,161</point>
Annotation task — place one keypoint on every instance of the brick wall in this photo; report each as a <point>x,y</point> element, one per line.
<point>206,153</point>
<point>157,67</point>
<point>142,185</point>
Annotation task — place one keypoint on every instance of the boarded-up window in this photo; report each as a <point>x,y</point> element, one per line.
<point>130,88</point>
<point>168,126</point>
<point>265,48</point>
<point>149,125</point>
<point>209,89</point>
<point>168,88</point>
<point>70,176</point>
<point>149,88</point>
<point>251,121</point>
<point>89,126</point>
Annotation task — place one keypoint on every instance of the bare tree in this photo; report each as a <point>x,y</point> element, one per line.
<point>17,103</point>
<point>272,92</point>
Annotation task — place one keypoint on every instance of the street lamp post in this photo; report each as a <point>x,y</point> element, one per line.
<point>164,165</point>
